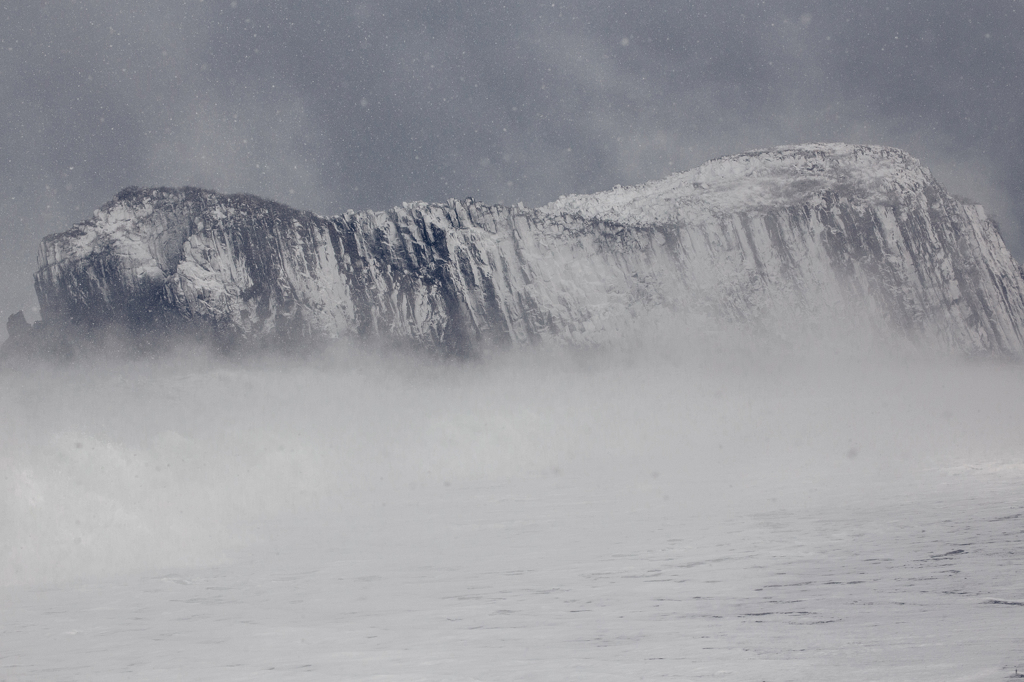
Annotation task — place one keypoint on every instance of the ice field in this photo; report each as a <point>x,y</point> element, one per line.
<point>590,517</point>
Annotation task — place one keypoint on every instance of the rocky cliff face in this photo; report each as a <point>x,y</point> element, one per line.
<point>787,240</point>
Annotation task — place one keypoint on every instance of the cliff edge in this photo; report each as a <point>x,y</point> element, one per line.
<point>793,240</point>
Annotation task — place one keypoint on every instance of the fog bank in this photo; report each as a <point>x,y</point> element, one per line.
<point>109,467</point>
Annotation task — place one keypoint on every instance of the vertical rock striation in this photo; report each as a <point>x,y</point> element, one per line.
<point>792,240</point>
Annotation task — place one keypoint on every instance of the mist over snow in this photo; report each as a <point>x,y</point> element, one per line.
<point>685,505</point>
<point>117,466</point>
<point>523,475</point>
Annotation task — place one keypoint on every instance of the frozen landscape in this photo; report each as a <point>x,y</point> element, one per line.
<point>755,421</point>
<point>658,515</point>
<point>394,341</point>
<point>831,244</point>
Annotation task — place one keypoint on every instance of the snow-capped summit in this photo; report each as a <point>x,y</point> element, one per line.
<point>760,180</point>
<point>806,240</point>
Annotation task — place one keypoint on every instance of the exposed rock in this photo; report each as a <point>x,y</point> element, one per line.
<point>42,340</point>
<point>17,325</point>
<point>794,240</point>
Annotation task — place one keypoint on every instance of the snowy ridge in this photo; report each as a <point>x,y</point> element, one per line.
<point>760,180</point>
<point>805,241</point>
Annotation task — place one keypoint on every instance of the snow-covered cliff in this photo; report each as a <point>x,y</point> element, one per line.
<point>793,239</point>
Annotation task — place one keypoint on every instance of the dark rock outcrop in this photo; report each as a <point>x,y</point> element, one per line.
<point>17,325</point>
<point>795,240</point>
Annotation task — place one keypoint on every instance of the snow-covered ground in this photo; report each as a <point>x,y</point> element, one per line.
<point>537,518</point>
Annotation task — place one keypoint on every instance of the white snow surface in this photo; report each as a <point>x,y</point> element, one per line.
<point>590,517</point>
<point>757,181</point>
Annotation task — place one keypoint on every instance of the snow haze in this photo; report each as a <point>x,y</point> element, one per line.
<point>667,513</point>
<point>598,515</point>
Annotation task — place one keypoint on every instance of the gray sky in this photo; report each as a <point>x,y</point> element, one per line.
<point>335,105</point>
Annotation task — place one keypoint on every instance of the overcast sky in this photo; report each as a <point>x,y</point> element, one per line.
<point>334,105</point>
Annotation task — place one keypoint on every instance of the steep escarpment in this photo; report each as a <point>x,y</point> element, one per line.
<point>791,240</point>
